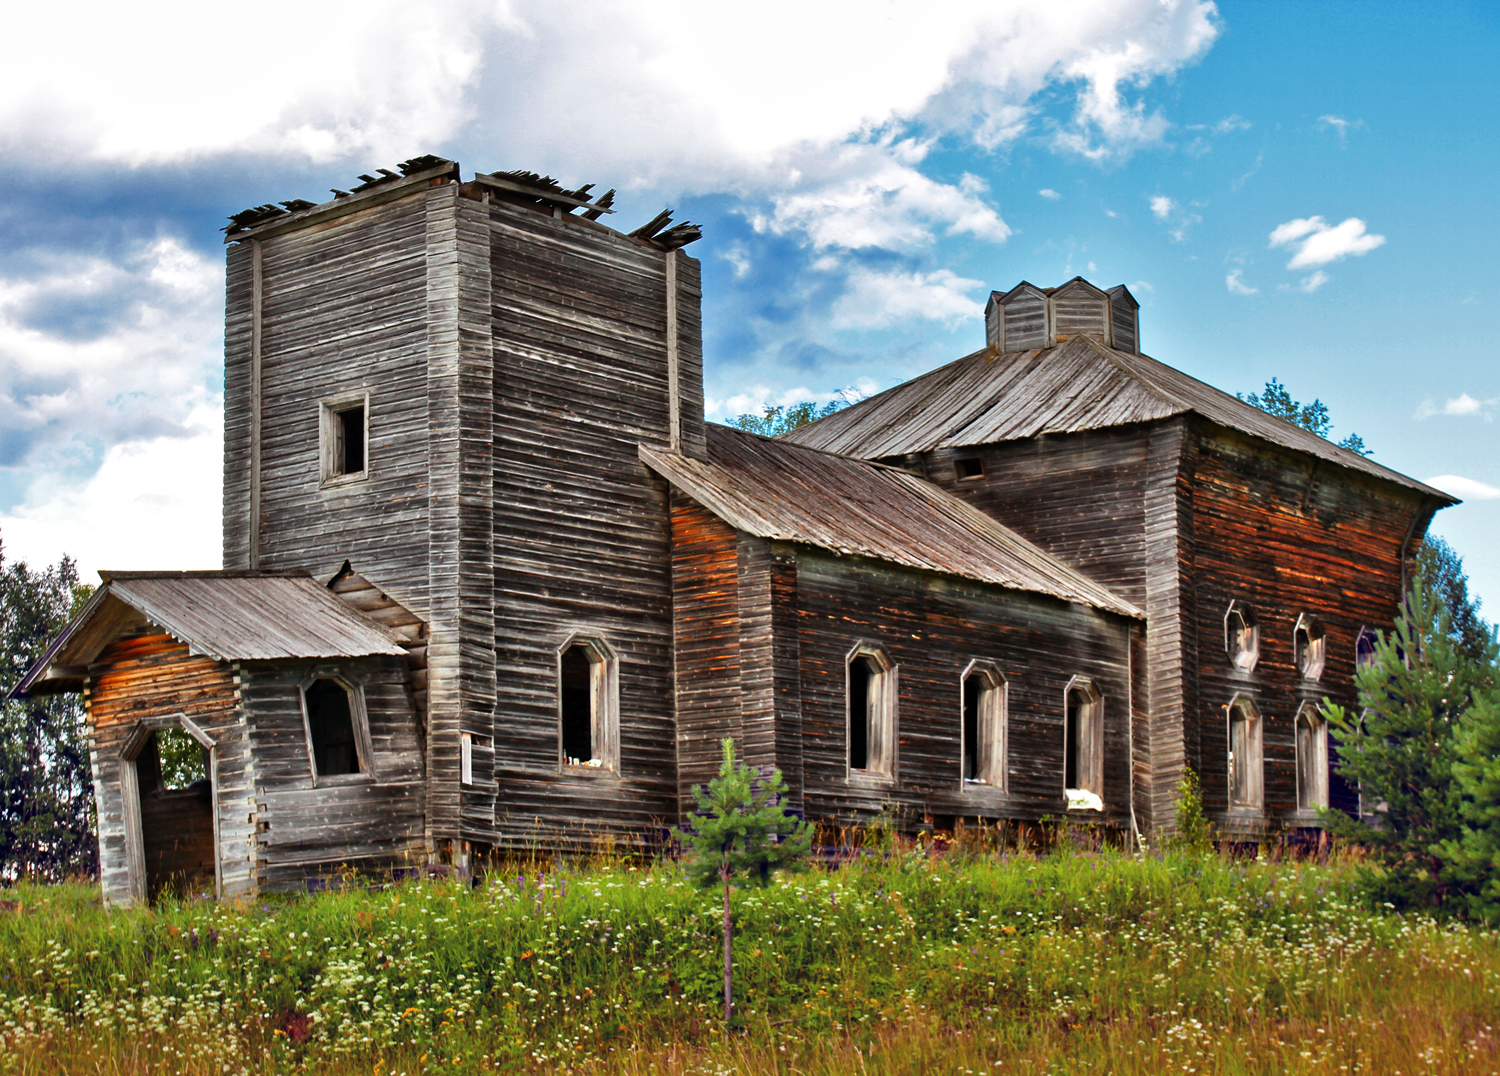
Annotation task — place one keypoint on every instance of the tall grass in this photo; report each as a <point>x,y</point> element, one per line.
<point>891,964</point>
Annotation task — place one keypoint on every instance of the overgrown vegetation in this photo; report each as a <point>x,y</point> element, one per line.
<point>46,791</point>
<point>905,962</point>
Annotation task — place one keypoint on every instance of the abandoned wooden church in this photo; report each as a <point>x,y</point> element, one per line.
<point>490,580</point>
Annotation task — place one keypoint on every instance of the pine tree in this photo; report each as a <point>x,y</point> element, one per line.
<point>742,829</point>
<point>1403,751</point>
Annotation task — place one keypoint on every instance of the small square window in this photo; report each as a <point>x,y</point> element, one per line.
<point>969,467</point>
<point>345,433</point>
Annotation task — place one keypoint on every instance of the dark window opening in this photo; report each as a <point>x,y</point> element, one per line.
<point>861,681</point>
<point>1076,703</point>
<point>350,457</point>
<point>974,688</point>
<point>969,467</point>
<point>330,721</point>
<point>1364,647</point>
<point>577,701</point>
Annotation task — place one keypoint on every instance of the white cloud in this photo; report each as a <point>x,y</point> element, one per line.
<point>755,399</point>
<point>153,504</point>
<point>877,300</point>
<point>1340,125</point>
<point>1462,404</point>
<point>873,196</point>
<point>1313,282</point>
<point>95,351</point>
<point>1050,194</point>
<point>1235,122</point>
<point>1236,284</point>
<point>1467,489</point>
<point>1162,206</point>
<point>1315,242</point>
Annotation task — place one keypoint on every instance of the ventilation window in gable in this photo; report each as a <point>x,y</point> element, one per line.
<point>338,734</point>
<point>345,430</point>
<point>969,467</point>
<point>1246,785</point>
<point>1307,645</point>
<point>870,689</point>
<point>1241,636</point>
<point>587,701</point>
<point>1083,744</point>
<point>983,725</point>
<point>1312,759</point>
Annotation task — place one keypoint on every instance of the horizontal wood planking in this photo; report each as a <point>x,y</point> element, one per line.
<point>579,330</point>
<point>1289,538</point>
<point>149,675</point>
<point>933,627</point>
<point>305,829</point>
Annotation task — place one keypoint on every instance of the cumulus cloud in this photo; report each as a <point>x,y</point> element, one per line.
<point>1162,206</point>
<point>755,399</point>
<point>95,351</point>
<point>1050,194</point>
<point>1235,282</point>
<point>1315,242</point>
<point>876,300</point>
<point>873,196</point>
<point>1467,489</point>
<point>1312,282</point>
<point>153,504</point>
<point>1462,404</point>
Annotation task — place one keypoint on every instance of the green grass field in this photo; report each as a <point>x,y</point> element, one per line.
<point>905,963</point>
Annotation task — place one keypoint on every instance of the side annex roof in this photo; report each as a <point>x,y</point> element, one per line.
<point>228,615</point>
<point>852,507</point>
<point>987,397</point>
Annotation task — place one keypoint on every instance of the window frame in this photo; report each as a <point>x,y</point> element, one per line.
<point>1368,635</point>
<point>1318,729</point>
<point>992,762</point>
<point>958,469</point>
<point>364,747</point>
<point>604,705</point>
<point>1091,741</point>
<point>1246,659</point>
<point>331,437</point>
<point>1317,644</point>
<point>1255,771</point>
<point>881,713</point>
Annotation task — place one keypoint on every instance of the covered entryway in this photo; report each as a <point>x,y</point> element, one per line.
<point>171,810</point>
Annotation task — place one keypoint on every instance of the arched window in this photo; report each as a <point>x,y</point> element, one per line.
<point>588,704</point>
<point>338,734</point>
<point>1246,768</point>
<point>1083,737</point>
<point>1312,759</point>
<point>870,691</point>
<point>1241,636</point>
<point>1307,646</point>
<point>984,721</point>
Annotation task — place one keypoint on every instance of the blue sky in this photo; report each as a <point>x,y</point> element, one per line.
<point>1300,191</point>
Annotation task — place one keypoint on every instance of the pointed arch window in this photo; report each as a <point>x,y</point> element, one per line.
<point>983,692</point>
<point>588,702</point>
<point>870,694</point>
<point>1246,765</point>
<point>1312,759</point>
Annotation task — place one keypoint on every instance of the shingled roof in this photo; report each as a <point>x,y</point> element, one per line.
<point>777,490</point>
<point>231,616</point>
<point>985,398</point>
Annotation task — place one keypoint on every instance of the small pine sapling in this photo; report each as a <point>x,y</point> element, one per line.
<point>742,829</point>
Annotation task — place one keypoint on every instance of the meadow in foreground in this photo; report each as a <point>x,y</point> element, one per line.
<point>902,963</point>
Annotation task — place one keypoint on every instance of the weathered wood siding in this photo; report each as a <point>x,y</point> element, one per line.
<point>1288,537</point>
<point>580,344</point>
<point>932,628</point>
<point>306,830</point>
<point>147,675</point>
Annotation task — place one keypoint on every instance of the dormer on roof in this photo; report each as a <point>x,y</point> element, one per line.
<point>1028,317</point>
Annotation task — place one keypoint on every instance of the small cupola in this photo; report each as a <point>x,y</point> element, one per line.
<point>1028,317</point>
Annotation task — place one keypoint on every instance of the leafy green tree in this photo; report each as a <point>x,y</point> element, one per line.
<point>743,830</point>
<point>779,420</point>
<point>46,789</point>
<point>1276,400</point>
<point>1443,575</point>
<point>1402,749</point>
